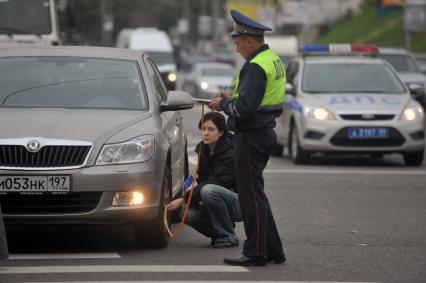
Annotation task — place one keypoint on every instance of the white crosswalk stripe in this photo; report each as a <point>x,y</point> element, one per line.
<point>64,256</point>
<point>121,268</point>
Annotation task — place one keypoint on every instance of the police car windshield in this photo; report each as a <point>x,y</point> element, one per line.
<point>350,78</point>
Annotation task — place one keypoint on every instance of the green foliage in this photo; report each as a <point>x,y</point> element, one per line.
<point>383,29</point>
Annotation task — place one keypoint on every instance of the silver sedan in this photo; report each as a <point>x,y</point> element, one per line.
<point>89,135</point>
<point>349,105</point>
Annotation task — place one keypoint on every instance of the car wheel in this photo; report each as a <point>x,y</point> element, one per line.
<point>414,158</point>
<point>153,234</point>
<point>297,153</point>
<point>277,150</point>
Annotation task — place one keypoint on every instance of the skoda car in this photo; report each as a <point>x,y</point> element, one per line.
<point>349,104</point>
<point>89,135</point>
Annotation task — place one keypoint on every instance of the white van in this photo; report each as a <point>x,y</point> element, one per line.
<point>157,44</point>
<point>24,22</point>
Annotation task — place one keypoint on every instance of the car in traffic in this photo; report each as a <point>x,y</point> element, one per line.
<point>205,80</point>
<point>408,69</point>
<point>348,104</point>
<point>89,135</point>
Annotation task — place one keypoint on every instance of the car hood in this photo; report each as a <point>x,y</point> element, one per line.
<point>90,125</point>
<point>363,103</point>
<point>218,81</point>
<point>166,68</point>
<point>412,77</point>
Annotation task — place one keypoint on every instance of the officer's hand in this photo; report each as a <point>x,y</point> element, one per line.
<point>224,94</point>
<point>215,104</point>
<point>175,204</point>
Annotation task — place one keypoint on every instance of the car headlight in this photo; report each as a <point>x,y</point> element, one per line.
<point>140,149</point>
<point>317,113</point>
<point>412,113</point>
<point>204,85</point>
<point>171,77</point>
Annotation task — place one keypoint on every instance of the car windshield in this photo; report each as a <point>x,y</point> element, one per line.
<point>217,72</point>
<point>401,63</point>
<point>161,58</point>
<point>71,82</point>
<point>34,17</point>
<point>350,78</point>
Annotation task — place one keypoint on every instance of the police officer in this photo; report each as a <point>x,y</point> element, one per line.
<point>257,100</point>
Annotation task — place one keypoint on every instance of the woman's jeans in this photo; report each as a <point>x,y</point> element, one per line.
<point>215,215</point>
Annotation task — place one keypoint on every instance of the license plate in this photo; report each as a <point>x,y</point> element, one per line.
<point>368,133</point>
<point>35,184</point>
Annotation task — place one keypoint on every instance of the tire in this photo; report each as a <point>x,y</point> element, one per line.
<point>277,150</point>
<point>297,153</point>
<point>414,158</point>
<point>153,234</point>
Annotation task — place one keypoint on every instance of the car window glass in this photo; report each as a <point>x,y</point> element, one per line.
<point>350,78</point>
<point>73,82</point>
<point>154,80</point>
<point>158,83</point>
<point>401,63</point>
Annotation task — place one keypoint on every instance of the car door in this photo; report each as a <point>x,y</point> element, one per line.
<point>172,133</point>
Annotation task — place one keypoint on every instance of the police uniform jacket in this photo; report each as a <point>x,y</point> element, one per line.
<point>216,167</point>
<point>251,88</point>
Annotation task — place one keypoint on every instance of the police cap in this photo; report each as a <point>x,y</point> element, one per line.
<point>245,26</point>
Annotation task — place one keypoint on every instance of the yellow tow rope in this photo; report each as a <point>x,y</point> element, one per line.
<point>179,229</point>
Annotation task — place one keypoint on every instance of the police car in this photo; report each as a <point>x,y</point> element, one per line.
<point>348,104</point>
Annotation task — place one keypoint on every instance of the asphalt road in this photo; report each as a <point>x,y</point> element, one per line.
<point>351,219</point>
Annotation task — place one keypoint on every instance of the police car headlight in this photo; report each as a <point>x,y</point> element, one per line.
<point>140,149</point>
<point>318,113</point>
<point>412,113</point>
<point>204,85</point>
<point>171,77</point>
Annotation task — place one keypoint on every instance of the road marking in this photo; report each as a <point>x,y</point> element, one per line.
<point>214,281</point>
<point>121,268</point>
<point>64,256</point>
<point>334,171</point>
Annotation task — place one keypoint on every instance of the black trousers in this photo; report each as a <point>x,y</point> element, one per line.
<point>252,150</point>
<point>4,252</point>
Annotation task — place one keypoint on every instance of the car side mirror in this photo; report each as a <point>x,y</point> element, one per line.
<point>416,90</point>
<point>177,100</point>
<point>289,89</point>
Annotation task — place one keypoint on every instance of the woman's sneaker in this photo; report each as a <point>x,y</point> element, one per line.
<point>225,243</point>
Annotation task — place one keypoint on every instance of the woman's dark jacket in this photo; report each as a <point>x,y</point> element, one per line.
<point>215,168</point>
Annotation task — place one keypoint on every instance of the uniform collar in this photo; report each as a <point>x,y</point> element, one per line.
<point>255,53</point>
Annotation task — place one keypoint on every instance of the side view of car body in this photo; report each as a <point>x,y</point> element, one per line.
<point>408,70</point>
<point>206,79</point>
<point>89,135</point>
<point>349,104</point>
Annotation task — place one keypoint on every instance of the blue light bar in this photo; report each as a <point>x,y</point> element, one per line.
<point>309,48</point>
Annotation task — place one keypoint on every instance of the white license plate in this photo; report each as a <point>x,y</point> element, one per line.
<point>35,184</point>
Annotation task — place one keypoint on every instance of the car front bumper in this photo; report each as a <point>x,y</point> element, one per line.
<point>91,196</point>
<point>320,136</point>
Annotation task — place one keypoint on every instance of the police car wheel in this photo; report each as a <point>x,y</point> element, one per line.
<point>414,158</point>
<point>297,153</point>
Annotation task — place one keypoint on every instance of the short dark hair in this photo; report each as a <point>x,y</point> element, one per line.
<point>218,120</point>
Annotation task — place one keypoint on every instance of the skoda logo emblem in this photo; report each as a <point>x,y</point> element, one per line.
<point>33,145</point>
<point>368,116</point>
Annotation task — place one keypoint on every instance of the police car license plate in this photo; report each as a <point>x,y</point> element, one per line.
<point>35,184</point>
<point>368,133</point>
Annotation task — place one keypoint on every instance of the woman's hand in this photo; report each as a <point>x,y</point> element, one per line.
<point>175,204</point>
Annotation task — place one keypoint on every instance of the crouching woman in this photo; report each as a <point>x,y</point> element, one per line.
<point>214,207</point>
